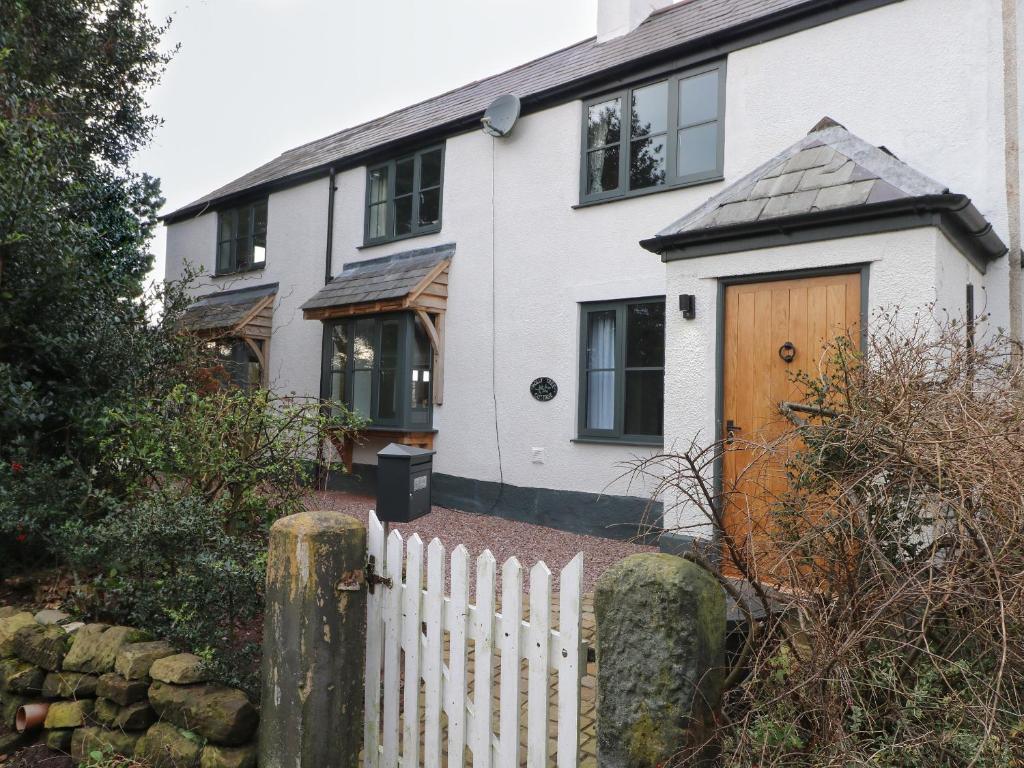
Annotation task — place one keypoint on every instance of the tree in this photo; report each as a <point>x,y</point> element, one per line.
<point>75,223</point>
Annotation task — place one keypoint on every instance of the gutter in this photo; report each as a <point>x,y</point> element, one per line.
<point>954,214</point>
<point>693,52</point>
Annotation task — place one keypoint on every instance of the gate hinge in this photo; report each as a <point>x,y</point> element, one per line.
<point>372,579</point>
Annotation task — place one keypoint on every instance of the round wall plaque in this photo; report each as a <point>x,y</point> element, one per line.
<point>543,389</point>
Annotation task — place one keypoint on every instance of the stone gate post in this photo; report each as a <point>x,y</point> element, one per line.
<point>314,640</point>
<point>660,649</point>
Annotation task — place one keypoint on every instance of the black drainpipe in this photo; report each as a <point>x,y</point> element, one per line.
<point>329,267</point>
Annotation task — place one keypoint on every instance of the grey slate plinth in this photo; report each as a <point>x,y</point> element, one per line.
<point>314,643</point>
<point>660,645</point>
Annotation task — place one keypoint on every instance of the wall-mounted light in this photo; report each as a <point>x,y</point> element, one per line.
<point>688,305</point>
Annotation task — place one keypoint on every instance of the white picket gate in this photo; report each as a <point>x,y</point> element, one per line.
<point>407,625</point>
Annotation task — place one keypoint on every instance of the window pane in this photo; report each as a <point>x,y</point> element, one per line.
<point>645,399</point>
<point>697,149</point>
<point>647,163</point>
<point>421,350</point>
<point>389,332</point>
<point>259,249</point>
<point>421,359</point>
<point>363,347</point>
<point>601,400</point>
<point>339,346</point>
<point>361,392</point>
<point>378,185</point>
<point>603,123</point>
<point>430,169</point>
<point>226,222</point>
<point>244,222</point>
<point>645,335</point>
<point>403,177</point>
<point>603,170</point>
<point>338,386</point>
<point>601,339</point>
<point>260,214</point>
<point>698,98</point>
<point>649,110</point>
<point>224,256</point>
<point>430,208</point>
<point>244,252</point>
<point>378,220</point>
<point>403,215</point>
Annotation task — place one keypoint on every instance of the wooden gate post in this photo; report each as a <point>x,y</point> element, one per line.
<point>314,643</point>
<point>660,659</point>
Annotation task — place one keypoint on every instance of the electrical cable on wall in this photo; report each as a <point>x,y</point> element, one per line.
<point>494,342</point>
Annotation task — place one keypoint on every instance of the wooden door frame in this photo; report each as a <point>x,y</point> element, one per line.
<point>861,268</point>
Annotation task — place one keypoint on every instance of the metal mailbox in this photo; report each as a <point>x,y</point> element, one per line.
<point>403,482</point>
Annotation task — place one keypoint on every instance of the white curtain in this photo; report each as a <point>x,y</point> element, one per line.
<point>601,378</point>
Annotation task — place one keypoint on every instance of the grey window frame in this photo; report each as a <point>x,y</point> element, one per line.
<point>672,180</point>
<point>234,267</point>
<point>391,165</point>
<point>617,434</point>
<point>407,339</point>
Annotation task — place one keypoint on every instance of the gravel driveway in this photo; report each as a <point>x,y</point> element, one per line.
<point>505,538</point>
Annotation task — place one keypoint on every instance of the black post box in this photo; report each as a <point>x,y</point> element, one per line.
<point>403,482</point>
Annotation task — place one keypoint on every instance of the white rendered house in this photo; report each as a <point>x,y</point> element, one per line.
<point>496,298</point>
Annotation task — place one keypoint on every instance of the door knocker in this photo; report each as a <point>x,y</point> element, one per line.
<point>787,352</point>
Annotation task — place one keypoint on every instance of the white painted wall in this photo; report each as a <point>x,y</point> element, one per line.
<point>920,76</point>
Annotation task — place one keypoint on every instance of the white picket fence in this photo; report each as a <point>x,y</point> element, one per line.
<point>408,622</point>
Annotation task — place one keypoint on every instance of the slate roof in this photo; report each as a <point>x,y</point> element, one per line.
<point>828,168</point>
<point>225,309</point>
<point>830,175</point>
<point>390,277</point>
<point>686,24</point>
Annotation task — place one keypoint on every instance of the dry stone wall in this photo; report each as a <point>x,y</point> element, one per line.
<point>118,690</point>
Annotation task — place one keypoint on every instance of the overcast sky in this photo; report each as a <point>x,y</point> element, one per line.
<point>256,77</point>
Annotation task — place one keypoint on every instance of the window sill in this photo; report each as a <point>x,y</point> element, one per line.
<point>399,239</point>
<point>644,192</point>
<point>632,441</point>
<point>244,271</point>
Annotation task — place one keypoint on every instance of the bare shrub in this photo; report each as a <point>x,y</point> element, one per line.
<point>892,557</point>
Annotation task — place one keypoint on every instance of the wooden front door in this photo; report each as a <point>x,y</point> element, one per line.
<point>766,322</point>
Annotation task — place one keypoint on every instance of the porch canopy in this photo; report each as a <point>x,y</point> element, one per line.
<point>829,184</point>
<point>244,316</point>
<point>245,312</point>
<point>414,281</point>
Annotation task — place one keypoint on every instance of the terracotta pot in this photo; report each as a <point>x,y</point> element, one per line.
<point>30,717</point>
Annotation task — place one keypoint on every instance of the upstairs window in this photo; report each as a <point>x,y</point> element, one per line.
<point>622,371</point>
<point>403,197</point>
<point>380,367</point>
<point>242,238</point>
<point>654,136</point>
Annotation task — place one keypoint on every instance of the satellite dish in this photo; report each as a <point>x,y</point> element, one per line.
<point>501,115</point>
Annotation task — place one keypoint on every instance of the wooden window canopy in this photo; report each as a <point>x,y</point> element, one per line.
<point>412,281</point>
<point>246,313</point>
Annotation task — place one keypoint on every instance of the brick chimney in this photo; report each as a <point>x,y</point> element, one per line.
<point>616,18</point>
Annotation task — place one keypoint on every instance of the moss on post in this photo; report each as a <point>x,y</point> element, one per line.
<point>660,644</point>
<point>314,640</point>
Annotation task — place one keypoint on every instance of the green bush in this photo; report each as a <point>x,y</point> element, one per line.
<point>183,551</point>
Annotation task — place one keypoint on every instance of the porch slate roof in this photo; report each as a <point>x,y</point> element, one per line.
<point>828,168</point>
<point>390,277</point>
<point>225,309</point>
<point>829,177</point>
<point>669,31</point>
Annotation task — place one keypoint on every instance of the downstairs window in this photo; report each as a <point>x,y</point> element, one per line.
<point>380,367</point>
<point>622,370</point>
